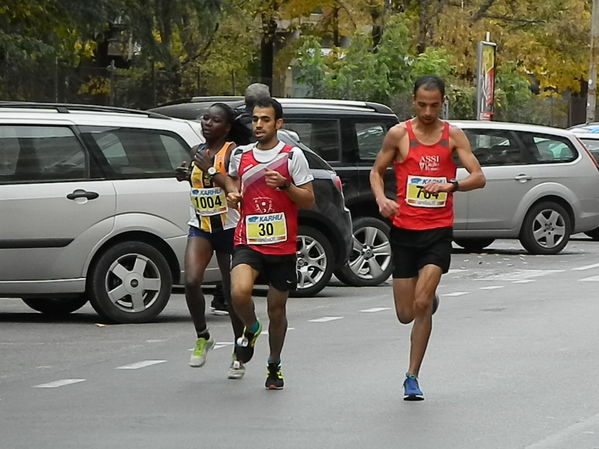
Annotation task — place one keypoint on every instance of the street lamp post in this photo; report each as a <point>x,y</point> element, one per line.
<point>592,85</point>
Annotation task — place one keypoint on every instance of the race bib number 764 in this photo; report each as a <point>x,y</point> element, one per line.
<point>416,195</point>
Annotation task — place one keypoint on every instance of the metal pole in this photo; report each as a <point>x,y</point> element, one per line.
<point>592,85</point>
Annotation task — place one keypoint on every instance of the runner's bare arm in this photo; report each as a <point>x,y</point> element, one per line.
<point>220,179</point>
<point>387,154</point>
<point>476,178</point>
<point>302,196</point>
<point>232,188</point>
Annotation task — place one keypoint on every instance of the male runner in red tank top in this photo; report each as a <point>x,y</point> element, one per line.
<point>269,181</point>
<point>421,151</point>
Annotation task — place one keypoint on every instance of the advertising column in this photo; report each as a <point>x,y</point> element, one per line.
<point>485,77</point>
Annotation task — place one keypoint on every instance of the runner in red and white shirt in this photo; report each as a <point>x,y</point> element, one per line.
<point>421,152</point>
<point>267,181</point>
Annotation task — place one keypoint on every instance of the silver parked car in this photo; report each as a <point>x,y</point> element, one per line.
<point>91,209</point>
<point>542,186</point>
<point>589,135</point>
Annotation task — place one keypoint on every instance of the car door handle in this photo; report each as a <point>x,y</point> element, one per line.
<point>80,193</point>
<point>522,177</point>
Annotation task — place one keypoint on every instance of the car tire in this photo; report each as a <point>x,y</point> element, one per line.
<point>56,306</point>
<point>546,228</point>
<point>474,245</point>
<point>594,234</point>
<point>130,283</point>
<point>371,260</point>
<point>314,261</point>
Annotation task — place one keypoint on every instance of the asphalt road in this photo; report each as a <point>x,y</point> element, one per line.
<point>512,363</point>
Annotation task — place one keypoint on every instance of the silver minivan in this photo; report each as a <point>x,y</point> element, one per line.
<point>90,208</point>
<point>542,186</point>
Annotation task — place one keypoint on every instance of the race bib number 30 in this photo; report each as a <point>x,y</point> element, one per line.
<point>417,197</point>
<point>265,229</point>
<point>209,202</point>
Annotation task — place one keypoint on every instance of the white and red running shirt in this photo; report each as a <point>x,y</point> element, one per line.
<point>268,218</point>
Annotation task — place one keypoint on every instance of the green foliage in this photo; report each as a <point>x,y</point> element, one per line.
<point>512,94</point>
<point>461,101</point>
<point>432,61</point>
<point>311,67</point>
<point>359,71</point>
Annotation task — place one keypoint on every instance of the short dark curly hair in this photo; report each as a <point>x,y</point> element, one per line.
<point>269,102</point>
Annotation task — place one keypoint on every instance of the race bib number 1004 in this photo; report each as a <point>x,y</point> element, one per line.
<point>209,201</point>
<point>266,228</point>
<point>416,195</point>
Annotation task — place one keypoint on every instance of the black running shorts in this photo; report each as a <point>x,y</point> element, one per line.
<point>412,250</point>
<point>278,271</point>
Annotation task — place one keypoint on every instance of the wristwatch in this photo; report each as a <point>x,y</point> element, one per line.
<point>455,184</point>
<point>211,171</point>
<point>285,185</point>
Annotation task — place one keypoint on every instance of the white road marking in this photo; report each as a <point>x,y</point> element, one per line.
<point>375,309</point>
<point>492,287</point>
<point>221,344</point>
<point>519,275</point>
<point>265,332</point>
<point>455,294</point>
<point>143,364</point>
<point>523,281</point>
<point>155,340</point>
<point>324,319</point>
<point>591,279</point>
<point>456,270</point>
<point>59,383</point>
<point>563,437</point>
<point>586,267</point>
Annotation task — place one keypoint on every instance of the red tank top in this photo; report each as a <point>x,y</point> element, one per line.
<point>268,218</point>
<point>419,210</point>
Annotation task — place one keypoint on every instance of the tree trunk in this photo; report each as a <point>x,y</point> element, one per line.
<point>267,48</point>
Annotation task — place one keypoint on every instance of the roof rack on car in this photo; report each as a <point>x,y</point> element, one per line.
<point>376,107</point>
<point>66,108</point>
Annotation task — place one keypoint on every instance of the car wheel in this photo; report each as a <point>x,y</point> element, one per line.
<point>130,283</point>
<point>594,234</point>
<point>314,261</point>
<point>546,228</point>
<point>55,306</point>
<point>474,245</point>
<point>370,262</point>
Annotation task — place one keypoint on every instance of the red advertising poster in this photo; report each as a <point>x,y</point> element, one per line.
<point>485,95</point>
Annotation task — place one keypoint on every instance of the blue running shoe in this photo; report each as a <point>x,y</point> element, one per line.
<point>412,391</point>
<point>244,347</point>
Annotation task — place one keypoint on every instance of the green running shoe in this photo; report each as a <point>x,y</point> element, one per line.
<point>274,379</point>
<point>244,347</point>
<point>198,356</point>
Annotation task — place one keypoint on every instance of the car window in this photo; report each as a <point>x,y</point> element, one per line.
<point>321,136</point>
<point>495,147</point>
<point>593,146</point>
<point>547,149</point>
<point>370,139</point>
<point>135,153</point>
<point>40,153</point>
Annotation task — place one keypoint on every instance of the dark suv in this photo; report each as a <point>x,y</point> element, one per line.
<point>348,135</point>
